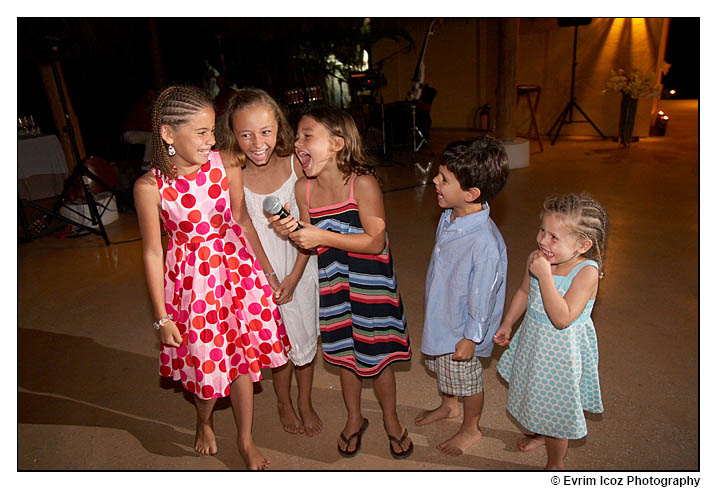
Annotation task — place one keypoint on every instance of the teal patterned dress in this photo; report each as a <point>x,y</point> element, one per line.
<point>553,374</point>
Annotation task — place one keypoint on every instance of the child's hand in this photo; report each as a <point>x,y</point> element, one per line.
<point>464,350</point>
<point>539,265</point>
<point>283,226</point>
<point>273,282</point>
<point>170,335</point>
<point>503,334</point>
<point>307,237</point>
<point>285,292</point>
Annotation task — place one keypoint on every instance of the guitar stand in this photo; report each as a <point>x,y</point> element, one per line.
<point>415,130</point>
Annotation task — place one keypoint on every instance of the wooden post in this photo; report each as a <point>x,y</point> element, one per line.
<point>506,91</point>
<point>58,114</point>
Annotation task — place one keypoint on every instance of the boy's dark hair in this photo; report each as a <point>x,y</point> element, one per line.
<point>480,162</point>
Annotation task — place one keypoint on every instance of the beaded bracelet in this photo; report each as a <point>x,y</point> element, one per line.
<point>161,322</point>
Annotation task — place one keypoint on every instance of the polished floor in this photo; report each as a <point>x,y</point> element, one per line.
<point>89,397</point>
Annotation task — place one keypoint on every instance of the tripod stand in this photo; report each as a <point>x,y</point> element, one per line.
<point>81,176</point>
<point>415,131</point>
<point>566,116</point>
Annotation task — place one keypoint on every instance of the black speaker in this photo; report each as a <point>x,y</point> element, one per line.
<point>573,21</point>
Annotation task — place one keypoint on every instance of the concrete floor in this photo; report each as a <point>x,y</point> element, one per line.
<point>89,397</point>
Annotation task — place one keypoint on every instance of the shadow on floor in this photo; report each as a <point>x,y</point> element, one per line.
<point>97,386</point>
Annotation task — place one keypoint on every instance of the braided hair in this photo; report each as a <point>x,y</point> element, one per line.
<point>352,158</point>
<point>247,97</point>
<point>173,107</point>
<point>584,216</point>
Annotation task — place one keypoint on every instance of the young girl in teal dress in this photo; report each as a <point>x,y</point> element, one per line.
<point>551,364</point>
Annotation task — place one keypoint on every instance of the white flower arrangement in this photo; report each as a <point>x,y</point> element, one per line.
<point>635,84</point>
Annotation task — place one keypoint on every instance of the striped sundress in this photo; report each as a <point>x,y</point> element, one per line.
<point>361,316</point>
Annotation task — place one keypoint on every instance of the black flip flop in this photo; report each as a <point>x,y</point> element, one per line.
<point>347,440</point>
<point>399,442</point>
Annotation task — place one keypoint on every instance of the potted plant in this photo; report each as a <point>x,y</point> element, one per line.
<point>631,86</point>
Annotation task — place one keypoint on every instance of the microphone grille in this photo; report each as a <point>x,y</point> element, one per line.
<point>272,205</point>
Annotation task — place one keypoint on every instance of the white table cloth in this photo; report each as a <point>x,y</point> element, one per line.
<point>41,167</point>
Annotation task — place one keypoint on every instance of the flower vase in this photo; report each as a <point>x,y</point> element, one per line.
<point>628,118</point>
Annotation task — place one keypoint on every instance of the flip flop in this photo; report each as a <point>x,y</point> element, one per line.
<point>399,442</point>
<point>347,440</point>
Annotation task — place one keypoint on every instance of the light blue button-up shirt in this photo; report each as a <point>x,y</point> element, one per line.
<point>465,284</point>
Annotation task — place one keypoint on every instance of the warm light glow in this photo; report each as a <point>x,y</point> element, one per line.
<point>660,113</point>
<point>665,117</point>
<point>672,92</point>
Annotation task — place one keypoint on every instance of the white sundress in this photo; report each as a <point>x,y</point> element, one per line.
<point>301,315</point>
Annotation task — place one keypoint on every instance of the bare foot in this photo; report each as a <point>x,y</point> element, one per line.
<point>439,413</point>
<point>312,423</point>
<point>460,442</point>
<point>290,421</point>
<point>530,443</point>
<point>252,457</point>
<point>204,440</point>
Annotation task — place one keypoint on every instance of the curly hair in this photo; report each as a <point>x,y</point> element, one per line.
<point>352,158</point>
<point>174,106</point>
<point>247,97</point>
<point>480,163</point>
<point>585,217</point>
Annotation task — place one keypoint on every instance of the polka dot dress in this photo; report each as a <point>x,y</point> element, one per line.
<point>553,374</point>
<point>215,290</point>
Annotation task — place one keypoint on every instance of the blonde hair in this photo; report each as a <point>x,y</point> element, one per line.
<point>352,158</point>
<point>247,97</point>
<point>174,107</point>
<point>585,217</point>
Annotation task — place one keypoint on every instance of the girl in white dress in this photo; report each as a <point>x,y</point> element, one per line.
<point>254,133</point>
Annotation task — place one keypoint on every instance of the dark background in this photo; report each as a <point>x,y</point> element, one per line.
<point>108,63</point>
<point>683,53</point>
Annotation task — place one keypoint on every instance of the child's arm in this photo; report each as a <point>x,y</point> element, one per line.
<point>371,213</point>
<point>486,282</point>
<point>516,308</point>
<point>285,292</point>
<point>147,204</point>
<point>241,216</point>
<point>286,289</point>
<point>562,310</point>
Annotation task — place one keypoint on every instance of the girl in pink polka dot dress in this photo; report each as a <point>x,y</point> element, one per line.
<point>217,319</point>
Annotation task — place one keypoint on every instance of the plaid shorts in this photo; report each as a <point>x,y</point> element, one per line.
<point>458,378</point>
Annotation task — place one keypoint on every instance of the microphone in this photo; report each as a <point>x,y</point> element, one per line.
<point>273,205</point>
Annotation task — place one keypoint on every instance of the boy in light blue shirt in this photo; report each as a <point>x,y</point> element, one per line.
<point>465,283</point>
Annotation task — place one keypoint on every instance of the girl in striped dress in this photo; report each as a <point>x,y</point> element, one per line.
<point>361,316</point>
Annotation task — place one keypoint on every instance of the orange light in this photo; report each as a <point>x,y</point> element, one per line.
<point>665,118</point>
<point>672,92</point>
<point>660,113</point>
